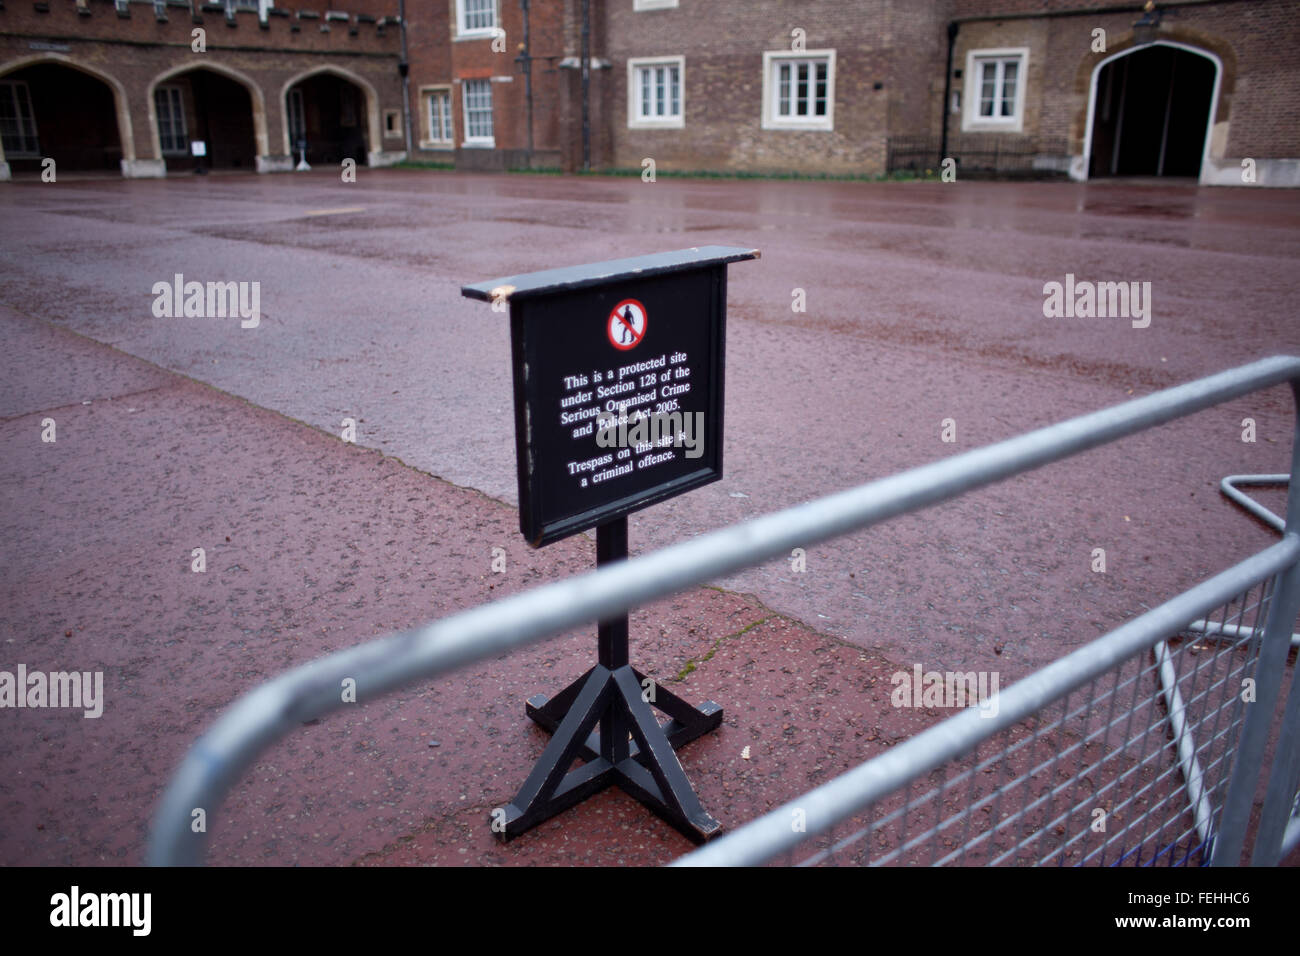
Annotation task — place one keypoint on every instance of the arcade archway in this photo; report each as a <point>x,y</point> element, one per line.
<point>1150,111</point>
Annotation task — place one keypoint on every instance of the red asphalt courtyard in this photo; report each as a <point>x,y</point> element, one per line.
<point>924,303</point>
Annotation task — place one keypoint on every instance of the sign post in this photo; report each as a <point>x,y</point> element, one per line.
<point>618,385</point>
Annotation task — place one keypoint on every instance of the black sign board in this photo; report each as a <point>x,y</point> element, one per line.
<point>618,377</point>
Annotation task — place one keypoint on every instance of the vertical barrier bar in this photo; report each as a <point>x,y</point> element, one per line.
<point>1282,612</point>
<point>1282,782</point>
<point>1281,793</point>
<point>1268,673</point>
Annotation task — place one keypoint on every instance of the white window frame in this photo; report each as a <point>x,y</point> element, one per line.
<point>635,118</point>
<point>29,149</point>
<point>179,100</point>
<point>433,138</point>
<point>653,4</point>
<point>480,141</point>
<point>772,119</point>
<point>474,33</point>
<point>973,84</point>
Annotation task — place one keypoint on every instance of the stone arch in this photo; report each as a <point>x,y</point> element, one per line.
<point>124,129</point>
<point>1090,70</point>
<point>260,139</point>
<point>374,142</point>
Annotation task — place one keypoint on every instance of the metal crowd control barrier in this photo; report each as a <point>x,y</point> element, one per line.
<point>1082,735</point>
<point>1230,489</point>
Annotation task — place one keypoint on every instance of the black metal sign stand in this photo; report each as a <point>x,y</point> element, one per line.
<point>640,341</point>
<point>630,750</point>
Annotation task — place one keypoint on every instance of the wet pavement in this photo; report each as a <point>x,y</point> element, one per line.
<point>924,302</point>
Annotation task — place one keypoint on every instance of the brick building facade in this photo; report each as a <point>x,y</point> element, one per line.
<point>1198,88</point>
<point>103,84</point>
<point>475,64</point>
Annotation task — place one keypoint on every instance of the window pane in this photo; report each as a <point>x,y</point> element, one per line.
<point>17,121</point>
<point>1009,75</point>
<point>645,91</point>
<point>801,94</point>
<point>820,105</point>
<point>783,94</point>
<point>478,109</point>
<point>660,98</point>
<point>675,86</point>
<point>171,119</point>
<point>988,72</point>
<point>479,14</point>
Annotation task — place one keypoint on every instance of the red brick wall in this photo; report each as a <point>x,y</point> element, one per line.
<point>103,23</point>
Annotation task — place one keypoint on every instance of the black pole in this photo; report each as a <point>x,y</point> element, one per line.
<point>953,27</point>
<point>586,85</point>
<point>611,640</point>
<point>527,56</point>
<point>611,546</point>
<point>404,70</point>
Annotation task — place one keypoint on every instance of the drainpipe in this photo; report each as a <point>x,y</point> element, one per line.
<point>586,86</point>
<point>404,68</point>
<point>953,27</point>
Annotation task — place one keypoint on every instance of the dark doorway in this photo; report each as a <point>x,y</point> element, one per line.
<point>1151,113</point>
<point>57,112</point>
<point>328,114</point>
<point>203,106</point>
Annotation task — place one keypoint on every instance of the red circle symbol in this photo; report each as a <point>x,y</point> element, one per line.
<point>626,325</point>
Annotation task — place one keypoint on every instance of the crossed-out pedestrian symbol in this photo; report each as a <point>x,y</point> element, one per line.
<point>626,324</point>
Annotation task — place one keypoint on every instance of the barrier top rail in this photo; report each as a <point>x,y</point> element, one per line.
<point>263,716</point>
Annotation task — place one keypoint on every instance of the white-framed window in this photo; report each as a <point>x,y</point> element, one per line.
<point>18,121</point>
<point>437,116</point>
<point>994,94</point>
<point>655,92</point>
<point>478,112</point>
<point>653,4</point>
<point>799,90</point>
<point>170,107</point>
<point>476,18</point>
<point>261,6</point>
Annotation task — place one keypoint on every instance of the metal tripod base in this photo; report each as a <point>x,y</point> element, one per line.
<point>644,766</point>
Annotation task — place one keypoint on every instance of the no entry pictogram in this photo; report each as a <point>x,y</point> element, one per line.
<point>627,324</point>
